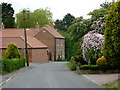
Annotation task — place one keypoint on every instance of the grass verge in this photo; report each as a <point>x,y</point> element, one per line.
<point>113,84</point>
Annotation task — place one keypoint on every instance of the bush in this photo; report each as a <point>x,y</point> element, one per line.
<point>72,66</point>
<point>22,62</point>
<point>12,51</point>
<point>61,59</point>
<point>9,65</point>
<point>89,67</point>
<point>78,59</point>
<point>101,61</point>
<point>112,36</point>
<point>93,54</point>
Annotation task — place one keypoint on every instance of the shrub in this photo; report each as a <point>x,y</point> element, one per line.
<point>89,67</point>
<point>101,61</point>
<point>79,59</point>
<point>12,51</point>
<point>9,65</point>
<point>72,66</point>
<point>93,54</point>
<point>112,36</point>
<point>61,59</point>
<point>22,62</point>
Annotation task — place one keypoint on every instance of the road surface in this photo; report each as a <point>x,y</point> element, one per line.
<point>49,75</point>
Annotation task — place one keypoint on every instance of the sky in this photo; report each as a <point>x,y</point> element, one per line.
<point>59,8</point>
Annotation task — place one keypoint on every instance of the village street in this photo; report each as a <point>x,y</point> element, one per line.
<point>49,75</point>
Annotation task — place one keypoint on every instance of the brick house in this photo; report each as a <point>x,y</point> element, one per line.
<point>54,40</point>
<point>43,43</point>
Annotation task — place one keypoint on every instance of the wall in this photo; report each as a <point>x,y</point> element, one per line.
<point>60,48</point>
<point>46,38</point>
<point>39,55</point>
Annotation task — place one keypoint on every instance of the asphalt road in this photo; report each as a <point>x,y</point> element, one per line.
<point>49,75</point>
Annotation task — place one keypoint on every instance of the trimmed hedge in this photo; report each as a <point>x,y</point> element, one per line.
<point>89,67</point>
<point>9,65</point>
<point>62,59</point>
<point>112,36</point>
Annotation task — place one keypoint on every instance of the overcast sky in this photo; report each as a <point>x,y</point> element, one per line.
<point>59,8</point>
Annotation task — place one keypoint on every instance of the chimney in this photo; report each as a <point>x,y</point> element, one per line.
<point>37,26</point>
<point>2,26</point>
<point>52,24</point>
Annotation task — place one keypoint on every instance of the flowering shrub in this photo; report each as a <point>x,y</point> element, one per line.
<point>101,61</point>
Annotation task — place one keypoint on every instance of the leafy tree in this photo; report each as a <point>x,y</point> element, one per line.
<point>24,19</point>
<point>66,22</point>
<point>79,19</point>
<point>106,5</point>
<point>96,14</point>
<point>40,16</point>
<point>12,51</point>
<point>79,29</point>
<point>58,24</point>
<point>7,15</point>
<point>112,36</point>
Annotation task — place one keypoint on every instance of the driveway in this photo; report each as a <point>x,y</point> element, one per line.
<point>49,75</point>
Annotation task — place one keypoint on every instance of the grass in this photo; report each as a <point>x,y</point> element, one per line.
<point>113,84</point>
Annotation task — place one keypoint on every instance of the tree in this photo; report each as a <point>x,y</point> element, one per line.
<point>106,5</point>
<point>112,36</point>
<point>79,29</point>
<point>58,24</point>
<point>20,22</point>
<point>97,13</point>
<point>7,15</point>
<point>66,22</point>
<point>40,16</point>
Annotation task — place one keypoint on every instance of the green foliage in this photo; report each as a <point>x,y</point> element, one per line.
<point>79,19</point>
<point>7,15</point>
<point>66,22</point>
<point>58,24</point>
<point>61,59</point>
<point>97,13</point>
<point>12,51</point>
<point>93,54</point>
<point>106,5</point>
<point>89,67</point>
<point>78,59</point>
<point>112,36</point>
<point>40,16</point>
<point>72,66</point>
<point>10,65</point>
<point>21,62</point>
<point>79,29</point>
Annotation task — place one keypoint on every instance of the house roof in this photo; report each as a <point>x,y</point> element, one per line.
<point>52,31</point>
<point>17,36</point>
<point>12,35</point>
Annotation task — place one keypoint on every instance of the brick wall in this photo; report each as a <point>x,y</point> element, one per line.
<point>46,38</point>
<point>39,55</point>
<point>60,48</point>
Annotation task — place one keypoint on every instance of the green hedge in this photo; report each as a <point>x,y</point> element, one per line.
<point>89,67</point>
<point>62,60</point>
<point>9,65</point>
<point>112,36</point>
